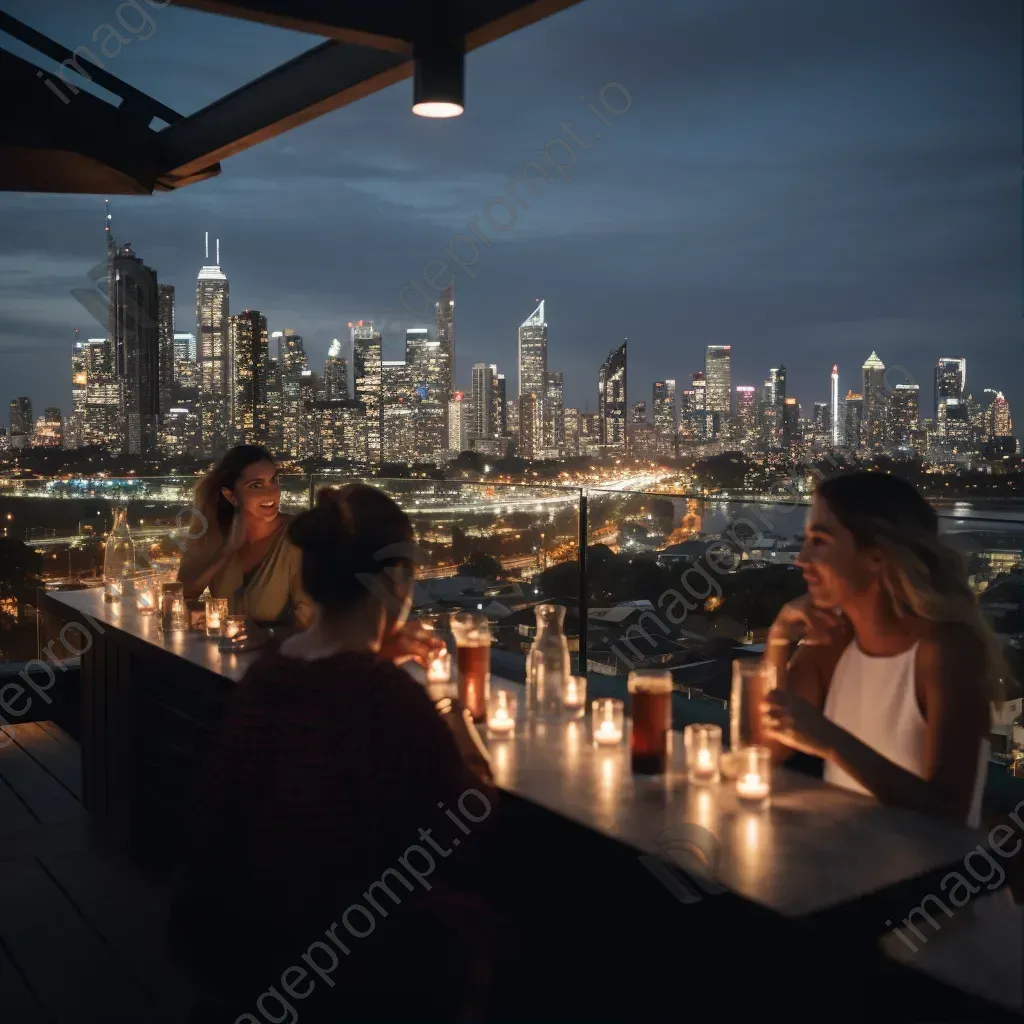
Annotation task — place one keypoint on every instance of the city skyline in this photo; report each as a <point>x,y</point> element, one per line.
<point>817,237</point>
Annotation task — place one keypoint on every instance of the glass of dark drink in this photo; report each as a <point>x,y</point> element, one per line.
<point>472,632</point>
<point>650,692</point>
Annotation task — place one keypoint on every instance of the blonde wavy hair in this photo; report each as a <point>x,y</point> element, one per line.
<point>924,577</point>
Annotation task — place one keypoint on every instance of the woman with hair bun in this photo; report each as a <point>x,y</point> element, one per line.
<point>333,770</point>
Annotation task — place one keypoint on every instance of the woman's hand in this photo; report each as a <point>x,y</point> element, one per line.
<point>803,620</point>
<point>411,643</point>
<point>795,722</point>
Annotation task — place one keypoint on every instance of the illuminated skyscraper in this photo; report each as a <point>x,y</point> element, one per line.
<point>340,429</point>
<point>293,370</point>
<point>21,422</point>
<point>612,399</point>
<point>533,353</point>
<point>428,366</point>
<point>335,374</point>
<point>853,421</point>
<point>638,414</point>
<point>275,409</point>
<point>165,344</point>
<point>49,432</point>
<point>836,418</point>
<point>531,425</point>
<point>481,413</point>
<point>459,410</point>
<point>444,322</point>
<point>874,430</point>
<point>791,421</point>
<point>718,373</point>
<point>291,351</point>
<point>571,433</point>
<point>134,312</point>
<point>819,419</point>
<point>777,376</point>
<point>75,427</point>
<point>499,404</point>
<point>554,406</point>
<point>213,355</point>
<point>665,425</point>
<point>904,408</point>
<point>399,431</point>
<point>366,376</point>
<point>950,382</point>
<point>250,352</point>
<point>746,412</point>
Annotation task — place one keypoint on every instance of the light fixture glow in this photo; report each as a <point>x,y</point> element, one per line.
<point>438,77</point>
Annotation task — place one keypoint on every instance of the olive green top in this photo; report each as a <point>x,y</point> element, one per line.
<point>271,592</point>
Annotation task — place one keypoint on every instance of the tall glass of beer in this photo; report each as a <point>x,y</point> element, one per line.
<point>472,633</point>
<point>650,692</point>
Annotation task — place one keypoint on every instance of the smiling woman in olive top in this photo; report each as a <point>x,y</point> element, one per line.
<point>243,552</point>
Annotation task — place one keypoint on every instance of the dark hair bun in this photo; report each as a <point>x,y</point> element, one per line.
<point>349,534</point>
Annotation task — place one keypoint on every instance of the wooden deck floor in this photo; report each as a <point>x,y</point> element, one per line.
<point>81,932</point>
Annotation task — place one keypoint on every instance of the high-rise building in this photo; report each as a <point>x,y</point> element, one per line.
<point>665,420</point>
<point>835,417</point>
<point>310,392</point>
<point>186,369</point>
<point>904,407</point>
<point>291,351</point>
<point>777,376</point>
<point>853,421</point>
<point>184,347</point>
<point>368,385</point>
<point>1001,422</point>
<point>876,402</point>
<point>444,324</point>
<point>133,321</point>
<point>335,374</point>
<point>531,425</point>
<point>399,431</point>
<point>499,405</point>
<point>702,415</point>
<point>296,385</point>
<point>512,418</point>
<point>746,412</point>
<point>21,421</point>
<point>819,419</point>
<point>481,391</point>
<point>718,373</point>
<point>340,430</point>
<point>554,406</point>
<point>790,421</point>
<point>612,399</point>
<point>49,432</point>
<point>102,395</point>
<point>179,426</point>
<point>590,433</point>
<point>533,353</point>
<point>691,422</point>
<point>275,409</point>
<point>165,344</point>
<point>250,358</point>
<point>950,382</point>
<point>428,366</point>
<point>570,433</point>
<point>958,439</point>
<point>638,413</point>
<point>74,429</point>
<point>459,410</point>
<point>213,355</point>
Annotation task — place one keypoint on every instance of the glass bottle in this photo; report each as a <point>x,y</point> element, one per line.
<point>548,664</point>
<point>119,555</point>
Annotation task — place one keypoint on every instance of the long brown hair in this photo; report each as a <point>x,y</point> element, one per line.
<point>210,502</point>
<point>924,577</point>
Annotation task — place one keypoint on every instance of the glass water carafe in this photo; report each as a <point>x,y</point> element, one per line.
<point>548,663</point>
<point>119,555</point>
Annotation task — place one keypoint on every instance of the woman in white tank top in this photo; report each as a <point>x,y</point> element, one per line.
<point>887,670</point>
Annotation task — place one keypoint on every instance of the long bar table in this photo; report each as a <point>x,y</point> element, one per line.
<point>151,701</point>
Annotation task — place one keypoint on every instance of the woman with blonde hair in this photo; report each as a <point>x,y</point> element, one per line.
<point>240,547</point>
<point>886,667</point>
<point>888,671</point>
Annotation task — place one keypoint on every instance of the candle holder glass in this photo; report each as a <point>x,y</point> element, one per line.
<point>608,716</point>
<point>574,696</point>
<point>439,668</point>
<point>703,743</point>
<point>754,778</point>
<point>172,608</point>
<point>216,614</point>
<point>112,591</point>
<point>147,595</point>
<point>501,714</point>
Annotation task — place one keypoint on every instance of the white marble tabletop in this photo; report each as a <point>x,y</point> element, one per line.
<point>813,848</point>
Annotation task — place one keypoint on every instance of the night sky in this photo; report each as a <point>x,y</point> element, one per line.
<point>804,180</point>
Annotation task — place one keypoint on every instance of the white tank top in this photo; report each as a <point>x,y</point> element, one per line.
<point>875,700</point>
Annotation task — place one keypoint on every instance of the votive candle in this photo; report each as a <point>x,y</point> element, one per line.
<point>703,743</point>
<point>145,596</point>
<point>501,713</point>
<point>216,614</point>
<point>608,718</point>
<point>439,667</point>
<point>754,778</point>
<point>574,696</point>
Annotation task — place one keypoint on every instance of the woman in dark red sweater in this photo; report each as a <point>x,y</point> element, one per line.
<point>333,868</point>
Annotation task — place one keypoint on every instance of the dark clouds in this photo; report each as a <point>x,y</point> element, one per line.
<point>804,180</point>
